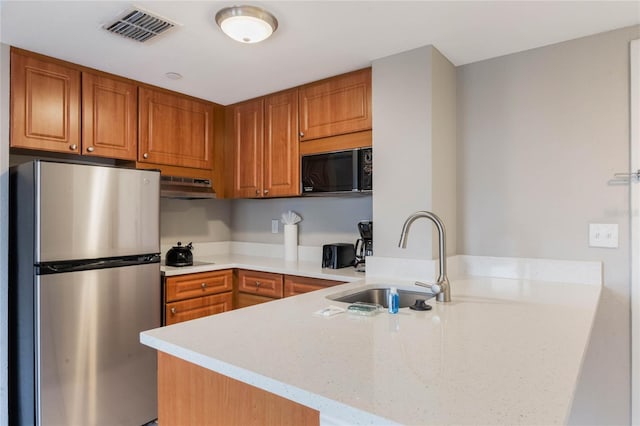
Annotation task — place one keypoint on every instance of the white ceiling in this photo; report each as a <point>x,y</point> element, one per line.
<point>315,39</point>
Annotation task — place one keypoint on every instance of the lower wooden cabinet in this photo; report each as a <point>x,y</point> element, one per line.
<point>198,307</point>
<point>260,283</point>
<point>245,299</point>
<point>294,285</point>
<point>256,287</point>
<point>192,296</point>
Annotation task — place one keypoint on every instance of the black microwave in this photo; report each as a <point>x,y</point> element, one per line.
<point>337,172</point>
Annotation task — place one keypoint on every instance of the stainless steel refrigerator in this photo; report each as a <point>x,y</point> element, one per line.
<point>84,281</point>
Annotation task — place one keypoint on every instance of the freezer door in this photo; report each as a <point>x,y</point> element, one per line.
<point>91,367</point>
<point>90,212</point>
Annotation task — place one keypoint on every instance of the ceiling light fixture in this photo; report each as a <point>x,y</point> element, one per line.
<point>246,24</point>
<point>173,75</point>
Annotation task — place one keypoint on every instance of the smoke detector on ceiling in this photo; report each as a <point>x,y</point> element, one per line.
<point>139,25</point>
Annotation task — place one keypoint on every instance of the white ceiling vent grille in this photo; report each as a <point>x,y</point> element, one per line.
<point>139,25</point>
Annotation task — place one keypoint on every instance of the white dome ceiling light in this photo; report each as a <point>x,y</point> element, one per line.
<point>246,24</point>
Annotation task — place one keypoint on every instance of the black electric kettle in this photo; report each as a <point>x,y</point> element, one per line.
<point>179,255</point>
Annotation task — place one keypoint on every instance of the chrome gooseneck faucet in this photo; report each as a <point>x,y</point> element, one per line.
<point>441,288</point>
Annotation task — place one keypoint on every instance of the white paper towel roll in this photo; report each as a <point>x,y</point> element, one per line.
<point>291,242</point>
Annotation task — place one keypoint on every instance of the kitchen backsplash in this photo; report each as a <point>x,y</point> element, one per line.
<point>324,220</point>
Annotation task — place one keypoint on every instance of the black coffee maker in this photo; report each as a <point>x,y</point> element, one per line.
<point>364,245</point>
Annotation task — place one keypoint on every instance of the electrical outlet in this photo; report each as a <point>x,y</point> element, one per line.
<point>603,235</point>
<point>274,226</point>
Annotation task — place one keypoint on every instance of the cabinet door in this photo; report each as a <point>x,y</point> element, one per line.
<point>336,106</point>
<point>174,130</point>
<point>189,309</point>
<point>247,148</point>
<point>45,105</point>
<point>298,285</point>
<point>109,117</point>
<point>196,285</point>
<point>260,283</point>
<point>246,299</point>
<point>281,154</point>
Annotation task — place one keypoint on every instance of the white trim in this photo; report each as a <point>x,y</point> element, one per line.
<point>634,189</point>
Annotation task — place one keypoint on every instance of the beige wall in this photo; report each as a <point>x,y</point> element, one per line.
<point>325,219</point>
<point>194,220</point>
<point>414,139</point>
<point>540,134</point>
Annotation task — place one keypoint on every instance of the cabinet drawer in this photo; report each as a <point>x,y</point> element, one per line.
<point>298,285</point>
<point>246,299</point>
<point>195,285</point>
<point>260,283</point>
<point>199,307</point>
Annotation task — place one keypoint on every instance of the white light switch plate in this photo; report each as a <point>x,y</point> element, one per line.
<point>274,226</point>
<point>603,235</point>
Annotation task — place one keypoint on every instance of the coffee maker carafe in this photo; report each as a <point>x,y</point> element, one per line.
<point>364,245</point>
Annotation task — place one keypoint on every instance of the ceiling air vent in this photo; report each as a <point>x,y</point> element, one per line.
<point>139,25</point>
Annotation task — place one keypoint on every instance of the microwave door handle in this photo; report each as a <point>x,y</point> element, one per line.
<point>355,158</point>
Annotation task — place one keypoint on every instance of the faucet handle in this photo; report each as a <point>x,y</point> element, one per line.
<point>435,288</point>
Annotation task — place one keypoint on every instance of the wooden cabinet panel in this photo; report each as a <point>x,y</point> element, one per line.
<point>260,283</point>
<point>245,299</point>
<point>198,307</point>
<point>281,153</point>
<point>192,395</point>
<point>174,130</point>
<point>109,117</point>
<point>336,105</point>
<point>195,285</point>
<point>45,105</point>
<point>298,285</point>
<point>248,118</point>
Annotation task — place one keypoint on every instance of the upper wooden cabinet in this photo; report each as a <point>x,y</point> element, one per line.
<point>281,163</point>
<point>174,129</point>
<point>247,139</point>
<point>109,117</point>
<point>45,105</point>
<point>336,106</point>
<point>265,146</point>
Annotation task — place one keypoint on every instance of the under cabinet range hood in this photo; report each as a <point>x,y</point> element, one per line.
<point>186,188</point>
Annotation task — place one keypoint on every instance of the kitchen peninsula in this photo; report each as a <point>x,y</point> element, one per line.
<point>504,351</point>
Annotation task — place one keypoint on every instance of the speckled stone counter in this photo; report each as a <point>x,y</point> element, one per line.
<point>505,351</point>
<point>265,264</point>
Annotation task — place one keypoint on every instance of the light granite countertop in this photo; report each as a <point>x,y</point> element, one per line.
<point>504,351</point>
<point>265,264</point>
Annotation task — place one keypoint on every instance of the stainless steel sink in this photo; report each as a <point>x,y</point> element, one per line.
<point>380,295</point>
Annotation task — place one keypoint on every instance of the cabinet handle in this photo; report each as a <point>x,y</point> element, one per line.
<point>203,285</point>
<point>266,191</point>
<point>73,147</point>
<point>173,311</point>
<point>302,134</point>
<point>258,284</point>
<point>145,155</point>
<point>90,149</point>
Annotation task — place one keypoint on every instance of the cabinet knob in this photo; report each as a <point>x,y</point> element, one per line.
<point>173,311</point>
<point>258,284</point>
<point>73,147</point>
<point>257,192</point>
<point>302,134</point>
<point>90,149</point>
<point>266,191</point>
<point>145,155</point>
<point>203,285</point>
